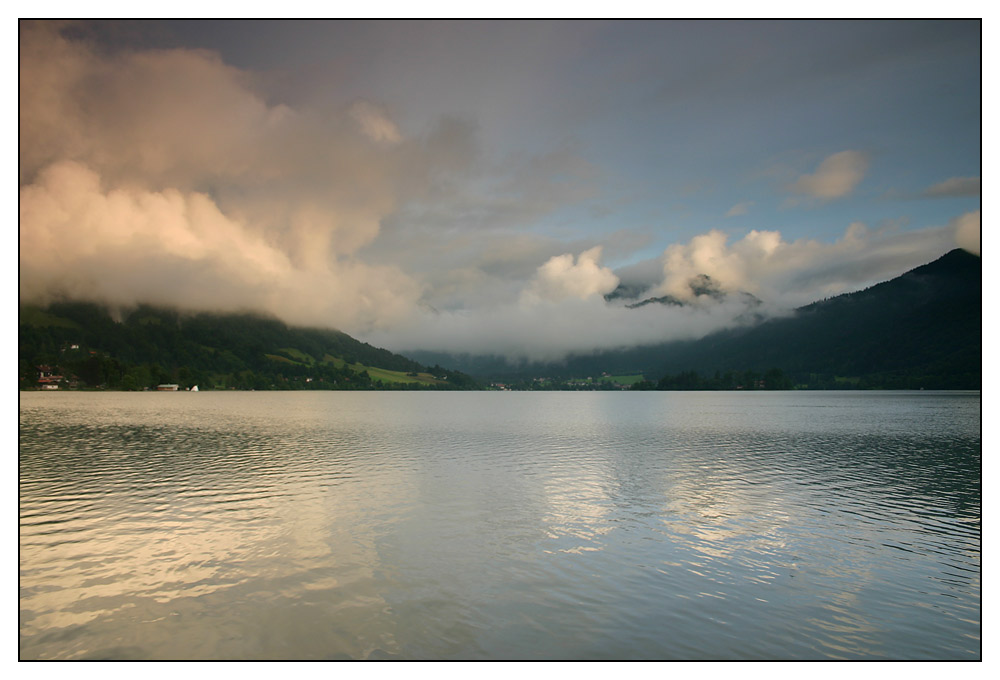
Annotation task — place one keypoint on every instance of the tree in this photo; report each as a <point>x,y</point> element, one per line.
<point>775,379</point>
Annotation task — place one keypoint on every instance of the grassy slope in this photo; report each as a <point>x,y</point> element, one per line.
<point>386,375</point>
<point>292,355</point>
<point>623,379</point>
<point>33,316</point>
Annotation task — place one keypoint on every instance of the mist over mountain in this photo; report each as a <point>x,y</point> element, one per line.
<point>921,329</point>
<point>704,290</point>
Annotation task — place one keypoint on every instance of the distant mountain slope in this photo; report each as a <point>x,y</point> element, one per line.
<point>922,329</point>
<point>84,345</point>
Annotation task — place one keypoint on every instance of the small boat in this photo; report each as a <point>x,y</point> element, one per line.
<point>194,389</point>
<point>166,387</point>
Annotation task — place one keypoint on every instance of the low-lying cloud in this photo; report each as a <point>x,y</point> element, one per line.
<point>780,274</point>
<point>549,331</point>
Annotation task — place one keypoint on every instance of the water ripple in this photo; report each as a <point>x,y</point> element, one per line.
<point>437,526</point>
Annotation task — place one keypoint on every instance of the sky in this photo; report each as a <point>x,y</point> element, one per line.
<point>482,186</point>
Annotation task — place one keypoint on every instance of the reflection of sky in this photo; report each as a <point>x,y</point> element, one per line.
<point>576,513</point>
<point>435,526</point>
<point>240,522</point>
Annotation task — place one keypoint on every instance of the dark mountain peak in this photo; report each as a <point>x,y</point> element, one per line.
<point>955,262</point>
<point>920,329</point>
<point>704,288</point>
<point>957,273</point>
<point>626,292</point>
<point>700,285</point>
<point>704,285</point>
<point>668,300</point>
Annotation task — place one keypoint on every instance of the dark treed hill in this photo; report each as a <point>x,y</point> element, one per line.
<point>83,344</point>
<point>921,329</point>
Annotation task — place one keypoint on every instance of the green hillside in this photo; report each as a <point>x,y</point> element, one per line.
<point>82,344</point>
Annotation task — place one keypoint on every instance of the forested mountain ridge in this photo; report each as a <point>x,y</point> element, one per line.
<point>81,345</point>
<point>922,329</point>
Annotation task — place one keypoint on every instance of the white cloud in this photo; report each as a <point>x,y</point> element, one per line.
<point>560,278</point>
<point>787,274</point>
<point>164,176</point>
<point>836,176</point>
<point>125,245</point>
<point>548,331</point>
<point>968,232</point>
<point>731,268</point>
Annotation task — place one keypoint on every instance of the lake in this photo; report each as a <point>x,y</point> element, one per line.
<point>500,525</point>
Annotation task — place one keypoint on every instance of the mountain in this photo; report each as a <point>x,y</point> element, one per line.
<point>75,344</point>
<point>701,287</point>
<point>922,329</point>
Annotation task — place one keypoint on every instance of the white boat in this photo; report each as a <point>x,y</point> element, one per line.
<point>194,389</point>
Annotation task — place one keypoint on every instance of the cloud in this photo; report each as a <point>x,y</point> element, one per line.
<point>968,233</point>
<point>375,123</point>
<point>168,176</point>
<point>708,254</point>
<point>126,245</point>
<point>561,310</point>
<point>954,187</point>
<point>836,176</point>
<point>165,176</point>
<point>549,331</point>
<point>165,115</point>
<point>331,194</point>
<point>739,209</point>
<point>560,278</point>
<point>788,274</point>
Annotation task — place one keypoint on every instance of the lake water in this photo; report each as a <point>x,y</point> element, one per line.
<point>500,525</point>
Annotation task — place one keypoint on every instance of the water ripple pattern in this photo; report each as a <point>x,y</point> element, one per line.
<point>500,525</point>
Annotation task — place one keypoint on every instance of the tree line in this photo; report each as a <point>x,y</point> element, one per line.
<point>772,379</point>
<point>149,346</point>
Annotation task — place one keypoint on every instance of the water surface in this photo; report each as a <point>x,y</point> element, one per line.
<point>326,525</point>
